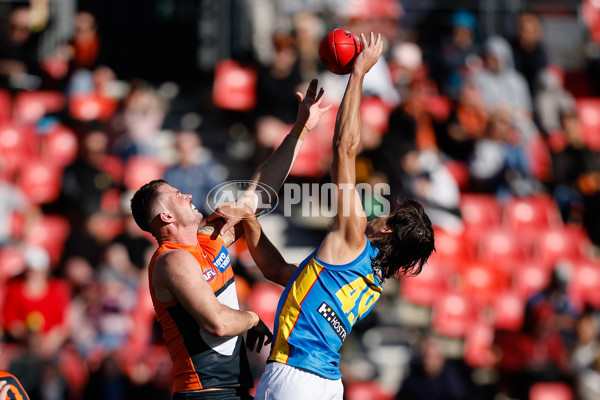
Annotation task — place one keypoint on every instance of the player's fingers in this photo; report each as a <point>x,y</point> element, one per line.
<point>373,38</point>
<point>312,89</point>
<point>225,228</point>
<point>326,108</point>
<point>300,96</point>
<point>320,95</point>
<point>363,39</point>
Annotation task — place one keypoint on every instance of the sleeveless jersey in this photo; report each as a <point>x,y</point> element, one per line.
<point>318,308</point>
<point>201,360</point>
<point>16,391</point>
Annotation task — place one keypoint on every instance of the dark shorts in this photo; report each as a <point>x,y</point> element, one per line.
<point>225,394</point>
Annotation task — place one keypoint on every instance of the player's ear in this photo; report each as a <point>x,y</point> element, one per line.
<point>386,230</point>
<point>166,217</point>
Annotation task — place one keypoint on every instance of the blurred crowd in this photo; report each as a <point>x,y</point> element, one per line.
<point>483,131</point>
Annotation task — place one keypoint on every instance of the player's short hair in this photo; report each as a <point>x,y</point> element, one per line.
<point>142,202</point>
<point>407,249</point>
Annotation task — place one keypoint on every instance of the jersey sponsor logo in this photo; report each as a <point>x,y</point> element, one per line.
<point>222,260</point>
<point>209,274</point>
<point>333,320</point>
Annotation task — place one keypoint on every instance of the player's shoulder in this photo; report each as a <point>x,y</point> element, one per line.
<point>337,248</point>
<point>174,259</point>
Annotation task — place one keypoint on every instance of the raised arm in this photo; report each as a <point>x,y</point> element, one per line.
<point>266,256</point>
<point>346,235</point>
<point>269,177</point>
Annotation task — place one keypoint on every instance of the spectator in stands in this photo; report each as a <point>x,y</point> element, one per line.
<point>460,53</point>
<point>574,168</point>
<point>19,67</point>
<point>528,51</point>
<point>467,123</point>
<point>587,342</point>
<point>552,304</point>
<point>277,83</point>
<point>197,171</point>
<point>588,381</point>
<point>12,202</point>
<point>425,178</point>
<point>432,376</point>
<point>505,88</point>
<point>36,306</point>
<point>498,164</point>
<point>552,100</point>
<point>140,125</point>
<point>86,179</point>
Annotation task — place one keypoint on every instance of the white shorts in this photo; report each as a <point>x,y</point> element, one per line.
<point>284,382</point>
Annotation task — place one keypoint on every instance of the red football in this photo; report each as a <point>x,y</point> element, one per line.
<point>338,49</point>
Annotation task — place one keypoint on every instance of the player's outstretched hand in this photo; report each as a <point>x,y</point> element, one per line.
<point>369,55</point>
<point>309,107</point>
<point>257,336</point>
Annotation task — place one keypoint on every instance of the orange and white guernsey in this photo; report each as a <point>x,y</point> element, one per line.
<point>200,360</point>
<point>15,391</point>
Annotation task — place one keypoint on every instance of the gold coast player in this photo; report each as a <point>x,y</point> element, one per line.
<point>191,277</point>
<point>339,283</point>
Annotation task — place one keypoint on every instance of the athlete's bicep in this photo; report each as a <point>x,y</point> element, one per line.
<point>179,272</point>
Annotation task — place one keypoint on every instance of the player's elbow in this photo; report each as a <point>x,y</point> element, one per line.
<point>346,146</point>
<point>218,329</point>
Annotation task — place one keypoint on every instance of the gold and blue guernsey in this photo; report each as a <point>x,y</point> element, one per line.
<point>318,308</point>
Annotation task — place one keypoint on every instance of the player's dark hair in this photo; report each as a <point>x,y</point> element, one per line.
<point>406,250</point>
<point>141,203</point>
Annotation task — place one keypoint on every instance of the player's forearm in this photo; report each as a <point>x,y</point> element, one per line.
<point>348,123</point>
<point>265,255</point>
<point>228,322</point>
<point>269,177</point>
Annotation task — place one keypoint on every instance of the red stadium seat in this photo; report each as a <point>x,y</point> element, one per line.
<point>482,282</point>
<point>555,244</point>
<point>366,390</point>
<point>584,286</point>
<point>49,232</point>
<point>30,107</point>
<point>480,210</point>
<point>140,170</point>
<point>91,107</point>
<point>453,315</point>
<point>313,160</point>
<point>263,300</point>
<point>535,212</point>
<point>60,146</point>
<point>588,109</point>
<point>17,147</point>
<point>500,246</point>
<point>460,172</point>
<point>5,106</point>
<point>375,113</point>
<point>531,277</point>
<point>424,288</point>
<point>234,86</point>
<point>450,249</point>
<point>551,391</point>
<point>478,346</point>
<point>12,262</point>
<point>508,311</point>
<point>40,180</point>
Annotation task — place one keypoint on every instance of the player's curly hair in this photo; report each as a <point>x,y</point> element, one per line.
<point>407,249</point>
<point>141,203</point>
